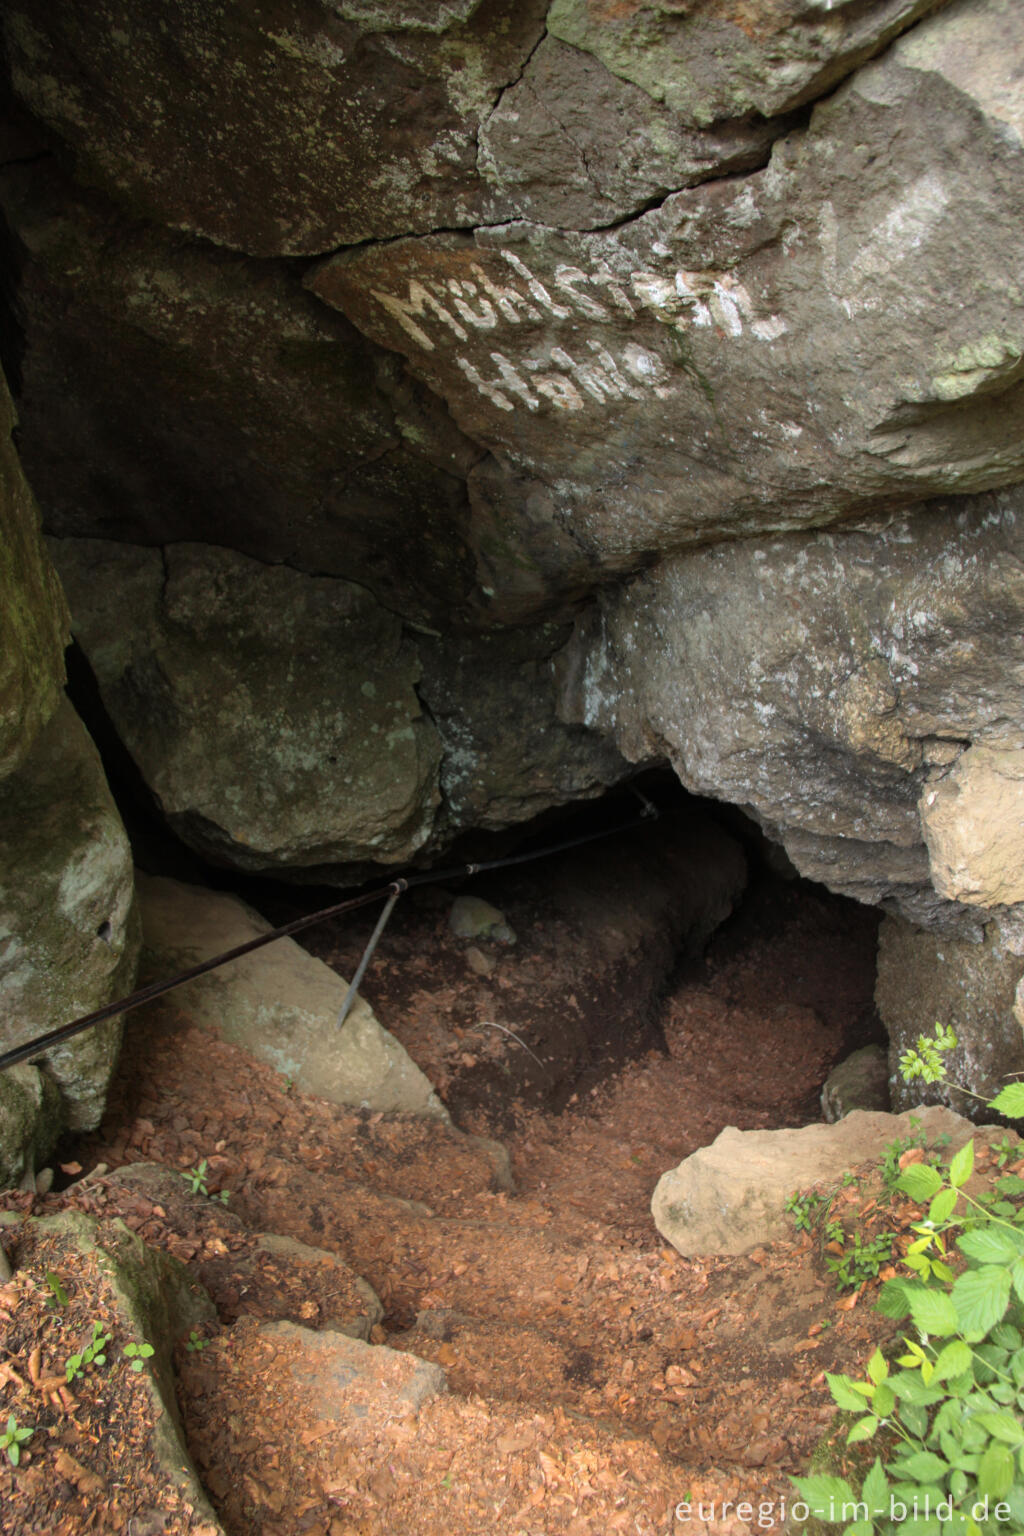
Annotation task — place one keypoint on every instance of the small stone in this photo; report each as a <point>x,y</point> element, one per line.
<point>859,1081</point>
<point>473,918</point>
<point>478,962</point>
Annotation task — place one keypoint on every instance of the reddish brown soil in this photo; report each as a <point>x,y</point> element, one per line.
<point>596,1378</point>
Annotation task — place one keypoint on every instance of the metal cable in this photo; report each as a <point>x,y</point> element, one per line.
<point>147,994</point>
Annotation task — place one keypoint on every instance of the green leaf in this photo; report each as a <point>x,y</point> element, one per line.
<point>826,1497</point>
<point>981,1297</point>
<point>892,1300</point>
<point>1004,1426</point>
<point>843,1393</point>
<point>951,1361</point>
<point>962,1166</point>
<point>875,1491</point>
<point>909,1388</point>
<point>922,1466</point>
<point>915,1418</point>
<point>920,1181</point>
<point>860,1528</point>
<point>884,1400</point>
<point>1017,1276</point>
<point>1009,1101</point>
<point>995,1473</point>
<point>991,1244</point>
<point>864,1429</point>
<point>933,1312</point>
<point>877,1368</point>
<point>942,1207</point>
<point>921,1525</point>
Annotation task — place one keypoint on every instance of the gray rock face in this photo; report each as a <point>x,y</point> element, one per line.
<point>273,714</point>
<point>30,1122</point>
<point>826,682</point>
<point>69,934</point>
<point>267,416</point>
<point>277,717</point>
<point>33,614</point>
<point>769,352</point>
<point>334,123</point>
<point>571,144</point>
<point>924,978</point>
<point>279,1003</point>
<point>715,61</point>
<point>730,1197</point>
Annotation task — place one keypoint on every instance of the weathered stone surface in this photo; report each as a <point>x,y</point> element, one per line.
<point>277,717</point>
<point>344,1379</point>
<point>273,714</point>
<point>859,1081</point>
<point>730,1197</point>
<point>33,615</point>
<point>279,1003</point>
<point>924,978</point>
<point>152,1299</point>
<point>30,1122</point>
<point>973,820</point>
<point>506,755</point>
<point>267,417</point>
<point>356,1308</point>
<point>69,934</point>
<point>649,384</point>
<point>572,144</point>
<point>294,127</point>
<point>713,61</point>
<point>820,680</point>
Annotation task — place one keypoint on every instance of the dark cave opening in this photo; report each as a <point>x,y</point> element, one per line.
<point>610,936</point>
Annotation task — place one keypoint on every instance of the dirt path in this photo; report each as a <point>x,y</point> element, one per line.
<point>596,1379</point>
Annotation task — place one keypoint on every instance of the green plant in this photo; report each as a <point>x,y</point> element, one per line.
<point>951,1414</point>
<point>138,1354</point>
<point>194,1344</point>
<point>91,1354</point>
<point>925,1060</point>
<point>803,1206</point>
<point>13,1438</point>
<point>196,1179</point>
<point>58,1296</point>
<point>862,1258</point>
<point>894,1151</point>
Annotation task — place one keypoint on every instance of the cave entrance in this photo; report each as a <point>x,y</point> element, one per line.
<point>673,975</point>
<point>672,970</point>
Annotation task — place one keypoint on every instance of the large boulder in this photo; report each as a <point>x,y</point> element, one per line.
<point>827,683</point>
<point>33,614</point>
<point>69,933</point>
<point>730,1197</point>
<point>363,120</point>
<point>290,723</point>
<point>274,715</point>
<point>292,129</point>
<point>927,978</point>
<point>772,351</point>
<point>278,1003</point>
